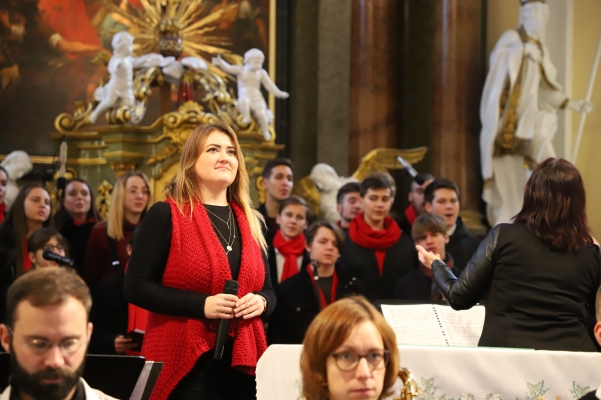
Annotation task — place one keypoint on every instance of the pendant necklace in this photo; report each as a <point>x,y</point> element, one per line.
<point>229,223</point>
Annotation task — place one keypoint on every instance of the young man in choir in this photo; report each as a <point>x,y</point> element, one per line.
<point>442,198</point>
<point>286,254</point>
<point>430,232</point>
<point>321,281</point>
<point>349,204</point>
<point>277,182</point>
<point>376,251</point>
<point>416,202</point>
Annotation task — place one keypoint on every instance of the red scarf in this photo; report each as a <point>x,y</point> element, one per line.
<point>2,210</point>
<point>197,262</point>
<point>410,214</point>
<point>291,249</point>
<point>324,303</point>
<point>27,264</point>
<point>77,222</point>
<point>378,241</point>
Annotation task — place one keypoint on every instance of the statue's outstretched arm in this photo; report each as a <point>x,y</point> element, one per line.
<point>271,87</point>
<point>224,65</point>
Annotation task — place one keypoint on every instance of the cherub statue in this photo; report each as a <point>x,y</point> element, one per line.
<point>328,182</point>
<point>250,77</point>
<point>519,107</point>
<point>17,164</point>
<point>119,90</point>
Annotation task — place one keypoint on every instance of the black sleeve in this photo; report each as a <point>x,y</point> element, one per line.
<point>143,280</point>
<point>465,292</point>
<point>267,291</point>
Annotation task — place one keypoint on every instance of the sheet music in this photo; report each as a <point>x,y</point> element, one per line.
<point>462,328</point>
<point>414,324</point>
<point>141,384</point>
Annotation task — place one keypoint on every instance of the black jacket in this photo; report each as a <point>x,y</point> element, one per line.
<point>462,245</point>
<point>297,305</point>
<point>8,268</point>
<point>416,285</point>
<point>400,259</point>
<point>268,230</point>
<point>536,297</point>
<point>108,314</point>
<point>273,267</point>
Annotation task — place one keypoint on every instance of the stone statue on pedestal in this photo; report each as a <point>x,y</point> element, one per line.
<point>518,112</point>
<point>250,77</point>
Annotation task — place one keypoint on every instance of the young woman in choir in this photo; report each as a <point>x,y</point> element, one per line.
<point>538,275</point>
<point>45,239</point>
<point>75,218</point>
<point>106,251</point>
<point>30,211</point>
<point>203,235</point>
<point>320,282</point>
<point>3,190</point>
<point>349,352</point>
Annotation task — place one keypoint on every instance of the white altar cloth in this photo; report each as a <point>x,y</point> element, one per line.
<point>458,373</point>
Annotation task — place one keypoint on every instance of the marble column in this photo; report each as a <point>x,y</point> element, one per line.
<point>374,77</point>
<point>458,81</point>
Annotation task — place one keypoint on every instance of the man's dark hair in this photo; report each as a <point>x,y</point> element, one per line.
<point>375,182</point>
<point>422,177</point>
<point>440,183</point>
<point>351,187</point>
<point>46,287</point>
<point>311,231</point>
<point>271,164</point>
<point>297,201</point>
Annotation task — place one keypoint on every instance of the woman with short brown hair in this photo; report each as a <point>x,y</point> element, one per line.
<point>349,350</point>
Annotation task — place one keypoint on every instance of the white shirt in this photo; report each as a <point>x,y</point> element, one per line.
<point>280,260</point>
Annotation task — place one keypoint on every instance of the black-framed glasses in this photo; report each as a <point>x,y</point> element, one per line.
<point>40,346</point>
<point>348,360</point>
<point>52,248</point>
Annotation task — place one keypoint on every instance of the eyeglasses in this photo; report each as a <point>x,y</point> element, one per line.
<point>52,248</point>
<point>40,346</point>
<point>348,360</point>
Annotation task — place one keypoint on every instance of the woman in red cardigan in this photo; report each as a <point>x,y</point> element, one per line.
<point>204,234</point>
<point>130,200</point>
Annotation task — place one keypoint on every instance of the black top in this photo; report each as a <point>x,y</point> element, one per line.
<point>298,305</point>
<point>536,297</point>
<point>361,262</point>
<point>462,245</point>
<point>143,280</point>
<point>217,215</point>
<point>77,237</point>
<point>270,227</point>
<point>7,265</point>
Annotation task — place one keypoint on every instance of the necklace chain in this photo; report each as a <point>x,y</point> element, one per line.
<point>230,224</point>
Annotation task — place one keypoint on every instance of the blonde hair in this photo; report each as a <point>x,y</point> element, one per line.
<point>329,330</point>
<point>115,216</point>
<point>185,188</point>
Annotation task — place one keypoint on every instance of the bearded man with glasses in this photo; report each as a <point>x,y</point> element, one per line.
<point>47,333</point>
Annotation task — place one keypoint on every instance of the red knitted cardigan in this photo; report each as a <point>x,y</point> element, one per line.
<point>197,262</point>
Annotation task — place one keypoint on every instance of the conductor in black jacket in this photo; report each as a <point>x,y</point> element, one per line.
<point>539,275</point>
<point>301,297</point>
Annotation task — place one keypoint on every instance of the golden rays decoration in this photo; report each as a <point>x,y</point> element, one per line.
<point>175,25</point>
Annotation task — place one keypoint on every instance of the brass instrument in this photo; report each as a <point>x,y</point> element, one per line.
<point>410,390</point>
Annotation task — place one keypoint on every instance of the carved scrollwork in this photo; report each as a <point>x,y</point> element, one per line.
<point>177,127</point>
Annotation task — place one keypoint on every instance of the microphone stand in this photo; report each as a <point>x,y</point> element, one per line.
<point>315,264</point>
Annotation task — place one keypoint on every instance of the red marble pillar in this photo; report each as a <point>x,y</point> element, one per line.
<point>374,77</point>
<point>458,81</point>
